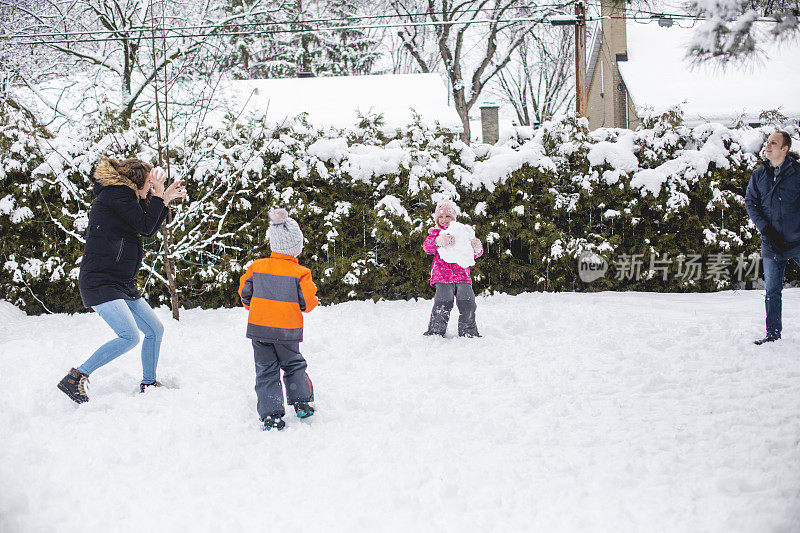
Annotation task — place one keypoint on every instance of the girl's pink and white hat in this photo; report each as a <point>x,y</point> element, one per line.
<point>446,207</point>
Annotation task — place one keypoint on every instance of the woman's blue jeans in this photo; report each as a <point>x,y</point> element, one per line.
<point>126,317</point>
<point>774,270</point>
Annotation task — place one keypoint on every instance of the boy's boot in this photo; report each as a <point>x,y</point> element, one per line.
<point>143,386</point>
<point>74,386</point>
<point>303,410</point>
<point>273,422</point>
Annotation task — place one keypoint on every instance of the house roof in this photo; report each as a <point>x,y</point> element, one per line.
<point>335,101</point>
<point>658,75</point>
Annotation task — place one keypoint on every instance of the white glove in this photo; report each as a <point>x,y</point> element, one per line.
<point>445,239</point>
<point>477,246</point>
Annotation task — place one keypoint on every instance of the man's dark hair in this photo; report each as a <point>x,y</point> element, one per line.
<point>787,139</point>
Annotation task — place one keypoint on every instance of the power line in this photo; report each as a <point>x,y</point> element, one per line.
<point>177,35</point>
<point>148,30</point>
<point>673,16</point>
<point>177,32</point>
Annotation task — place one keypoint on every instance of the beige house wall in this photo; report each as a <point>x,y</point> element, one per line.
<point>608,102</point>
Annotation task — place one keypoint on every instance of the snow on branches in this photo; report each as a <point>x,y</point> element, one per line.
<point>538,199</point>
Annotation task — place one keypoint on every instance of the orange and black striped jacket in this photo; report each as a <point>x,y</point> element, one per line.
<point>277,291</point>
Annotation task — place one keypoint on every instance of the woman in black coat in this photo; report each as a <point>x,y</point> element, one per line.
<point>131,201</point>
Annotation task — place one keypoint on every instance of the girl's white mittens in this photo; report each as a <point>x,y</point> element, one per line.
<point>445,239</point>
<point>477,246</point>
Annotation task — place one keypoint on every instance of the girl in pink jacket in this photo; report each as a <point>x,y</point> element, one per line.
<point>451,280</point>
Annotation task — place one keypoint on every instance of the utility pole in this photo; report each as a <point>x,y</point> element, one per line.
<point>580,53</point>
<point>580,59</point>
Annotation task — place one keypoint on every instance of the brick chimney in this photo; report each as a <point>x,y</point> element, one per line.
<point>490,123</point>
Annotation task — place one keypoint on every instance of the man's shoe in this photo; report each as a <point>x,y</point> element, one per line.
<point>766,339</point>
<point>273,422</point>
<point>143,386</point>
<point>303,410</point>
<point>74,386</point>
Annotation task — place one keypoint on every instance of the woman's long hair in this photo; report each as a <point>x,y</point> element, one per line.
<point>135,170</point>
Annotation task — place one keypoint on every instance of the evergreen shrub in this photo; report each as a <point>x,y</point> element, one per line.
<point>364,198</point>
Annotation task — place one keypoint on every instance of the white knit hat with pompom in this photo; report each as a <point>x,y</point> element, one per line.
<point>285,236</point>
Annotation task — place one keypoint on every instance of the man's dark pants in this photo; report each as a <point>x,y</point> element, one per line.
<point>774,269</point>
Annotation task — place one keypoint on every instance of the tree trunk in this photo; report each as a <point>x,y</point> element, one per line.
<point>169,264</point>
<point>127,76</point>
<point>463,112</point>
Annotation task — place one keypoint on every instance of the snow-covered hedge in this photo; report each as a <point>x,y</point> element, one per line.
<point>538,199</point>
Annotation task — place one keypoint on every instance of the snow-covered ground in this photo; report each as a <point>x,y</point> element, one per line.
<point>575,412</point>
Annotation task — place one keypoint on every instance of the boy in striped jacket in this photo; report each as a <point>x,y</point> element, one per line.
<point>277,291</point>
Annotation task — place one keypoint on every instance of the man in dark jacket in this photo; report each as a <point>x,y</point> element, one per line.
<point>773,203</point>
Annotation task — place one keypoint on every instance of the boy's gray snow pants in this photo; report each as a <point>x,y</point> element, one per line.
<point>443,304</point>
<point>270,359</point>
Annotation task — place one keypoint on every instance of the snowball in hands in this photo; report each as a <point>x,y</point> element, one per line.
<point>461,252</point>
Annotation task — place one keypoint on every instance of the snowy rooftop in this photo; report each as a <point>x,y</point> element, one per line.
<point>335,101</point>
<point>658,75</point>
